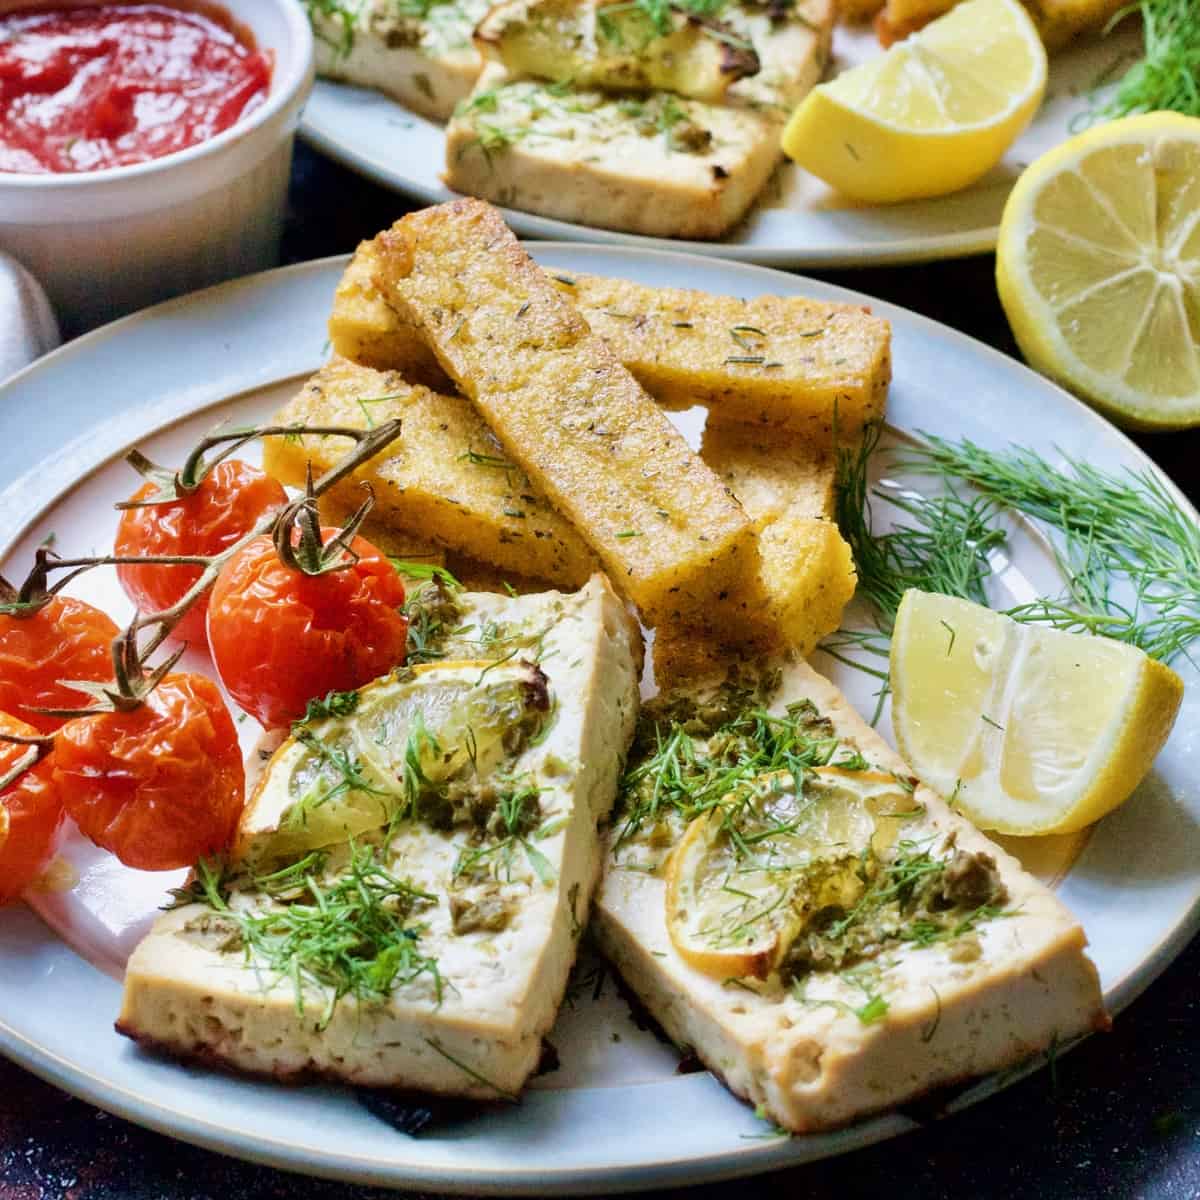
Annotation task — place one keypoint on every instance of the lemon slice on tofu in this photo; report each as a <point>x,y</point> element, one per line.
<point>932,115</point>
<point>1098,267</point>
<point>336,778</point>
<point>744,880</point>
<point>1026,730</point>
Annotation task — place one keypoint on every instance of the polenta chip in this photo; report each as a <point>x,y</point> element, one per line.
<point>444,479</point>
<point>670,535</point>
<point>780,363</point>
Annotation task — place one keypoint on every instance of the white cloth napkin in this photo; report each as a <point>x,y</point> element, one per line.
<point>28,328</point>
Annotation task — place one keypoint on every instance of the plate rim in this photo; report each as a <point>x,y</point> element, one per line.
<point>578,1180</point>
<point>963,243</point>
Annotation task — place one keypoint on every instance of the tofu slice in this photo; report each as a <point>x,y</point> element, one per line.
<point>682,346</point>
<point>190,993</point>
<point>947,1011</point>
<point>806,573</point>
<point>617,47</point>
<point>445,479</point>
<point>428,63</point>
<point>668,532</point>
<point>656,165</point>
<point>659,165</point>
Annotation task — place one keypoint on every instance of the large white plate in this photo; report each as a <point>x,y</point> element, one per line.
<point>797,222</point>
<point>615,1115</point>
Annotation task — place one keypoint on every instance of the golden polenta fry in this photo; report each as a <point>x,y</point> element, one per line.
<point>684,347</point>
<point>806,570</point>
<point>444,479</point>
<point>669,533</point>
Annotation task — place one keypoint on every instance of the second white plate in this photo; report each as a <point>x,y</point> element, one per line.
<point>797,222</point>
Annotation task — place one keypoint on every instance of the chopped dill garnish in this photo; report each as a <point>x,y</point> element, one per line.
<point>434,1044</point>
<point>487,460</point>
<point>750,359</point>
<point>515,824</point>
<point>425,571</point>
<point>347,936</point>
<point>332,704</point>
<point>683,769</point>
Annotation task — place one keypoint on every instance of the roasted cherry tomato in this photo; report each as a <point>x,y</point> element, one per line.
<point>31,814</point>
<point>280,637</point>
<point>160,785</point>
<point>64,639</point>
<point>227,505</point>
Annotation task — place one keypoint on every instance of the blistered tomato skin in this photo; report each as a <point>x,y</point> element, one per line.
<point>280,637</point>
<point>228,503</point>
<point>32,816</point>
<point>161,785</point>
<point>65,639</point>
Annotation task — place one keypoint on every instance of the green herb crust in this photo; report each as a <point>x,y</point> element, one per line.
<point>724,757</point>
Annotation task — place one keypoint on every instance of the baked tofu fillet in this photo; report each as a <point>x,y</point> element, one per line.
<point>616,47</point>
<point>684,347</point>
<point>943,962</point>
<point>445,478</point>
<point>806,571</point>
<point>500,912</point>
<point>669,533</point>
<point>427,62</point>
<point>656,164</point>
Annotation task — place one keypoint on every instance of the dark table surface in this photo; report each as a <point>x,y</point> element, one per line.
<point>1117,1117</point>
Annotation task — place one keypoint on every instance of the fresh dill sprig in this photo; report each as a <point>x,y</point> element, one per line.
<point>1115,529</point>
<point>1167,77</point>
<point>332,704</point>
<point>944,549</point>
<point>348,936</point>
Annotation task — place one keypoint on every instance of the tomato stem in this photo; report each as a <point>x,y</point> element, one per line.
<point>172,485</point>
<point>308,553</point>
<point>39,746</point>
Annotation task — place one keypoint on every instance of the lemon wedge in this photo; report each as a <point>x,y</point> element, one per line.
<point>1026,730</point>
<point>1098,267</point>
<point>347,775</point>
<point>930,116</point>
<point>746,878</point>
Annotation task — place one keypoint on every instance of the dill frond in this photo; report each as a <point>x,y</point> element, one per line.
<point>348,936</point>
<point>1167,77</point>
<point>1115,530</point>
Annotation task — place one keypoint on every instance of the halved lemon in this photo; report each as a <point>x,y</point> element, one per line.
<point>1098,267</point>
<point>743,883</point>
<point>932,115</point>
<point>343,776</point>
<point>1026,730</point>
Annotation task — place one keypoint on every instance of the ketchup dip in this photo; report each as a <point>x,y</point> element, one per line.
<point>83,89</point>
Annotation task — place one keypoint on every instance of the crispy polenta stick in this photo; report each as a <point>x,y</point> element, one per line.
<point>669,533</point>
<point>806,571</point>
<point>443,479</point>
<point>777,362</point>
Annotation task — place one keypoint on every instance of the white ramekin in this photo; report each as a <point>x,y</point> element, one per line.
<point>104,243</point>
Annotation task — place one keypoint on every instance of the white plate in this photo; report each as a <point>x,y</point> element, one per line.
<point>797,222</point>
<point>615,1116</point>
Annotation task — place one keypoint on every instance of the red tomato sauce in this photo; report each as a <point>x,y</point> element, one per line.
<point>82,89</point>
